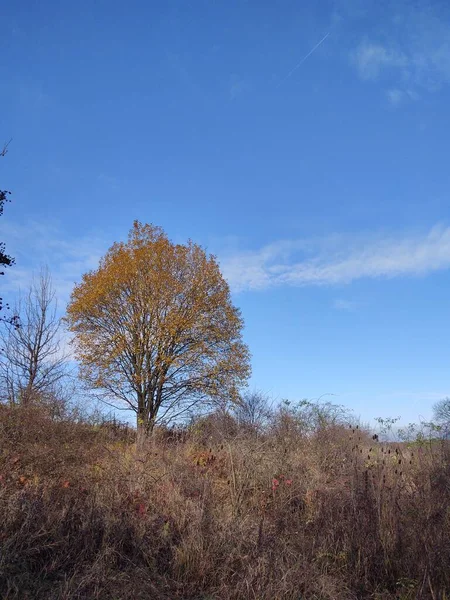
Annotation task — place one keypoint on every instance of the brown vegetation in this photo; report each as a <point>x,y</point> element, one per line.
<point>214,512</point>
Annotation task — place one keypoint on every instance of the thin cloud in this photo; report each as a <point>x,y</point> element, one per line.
<point>397,97</point>
<point>341,262</point>
<point>412,49</point>
<point>371,59</point>
<point>336,260</point>
<point>36,244</point>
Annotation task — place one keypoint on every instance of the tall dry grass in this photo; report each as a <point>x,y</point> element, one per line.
<point>215,512</point>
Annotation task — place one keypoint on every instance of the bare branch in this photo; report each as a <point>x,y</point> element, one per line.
<point>34,360</point>
<point>4,150</point>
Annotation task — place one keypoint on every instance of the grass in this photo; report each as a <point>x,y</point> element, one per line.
<point>217,512</point>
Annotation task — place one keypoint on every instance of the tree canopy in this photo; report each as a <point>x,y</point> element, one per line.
<point>155,329</point>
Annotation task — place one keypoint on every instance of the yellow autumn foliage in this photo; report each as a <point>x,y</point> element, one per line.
<point>154,327</point>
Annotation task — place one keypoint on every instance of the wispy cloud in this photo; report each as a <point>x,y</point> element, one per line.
<point>339,260</point>
<point>336,260</point>
<point>410,48</point>
<point>36,244</point>
<point>371,59</point>
<point>396,97</point>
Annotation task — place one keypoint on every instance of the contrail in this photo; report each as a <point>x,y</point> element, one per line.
<point>303,59</point>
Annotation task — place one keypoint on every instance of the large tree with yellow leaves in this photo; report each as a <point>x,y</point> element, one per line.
<point>155,328</point>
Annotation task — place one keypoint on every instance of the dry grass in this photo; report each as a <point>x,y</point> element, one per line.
<point>218,514</point>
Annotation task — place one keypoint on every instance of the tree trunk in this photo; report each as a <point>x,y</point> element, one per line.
<point>145,422</point>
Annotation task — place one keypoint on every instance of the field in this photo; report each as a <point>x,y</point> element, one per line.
<point>219,512</point>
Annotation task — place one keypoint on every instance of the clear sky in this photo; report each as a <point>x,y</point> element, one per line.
<point>306,144</point>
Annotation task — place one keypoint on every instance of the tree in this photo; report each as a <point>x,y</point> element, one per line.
<point>441,413</point>
<point>5,259</point>
<point>33,362</point>
<point>253,410</point>
<point>155,328</point>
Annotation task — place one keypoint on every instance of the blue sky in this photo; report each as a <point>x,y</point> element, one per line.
<point>317,170</point>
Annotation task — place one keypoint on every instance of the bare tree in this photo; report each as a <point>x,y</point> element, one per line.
<point>253,410</point>
<point>33,362</point>
<point>441,413</point>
